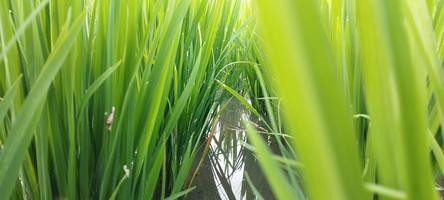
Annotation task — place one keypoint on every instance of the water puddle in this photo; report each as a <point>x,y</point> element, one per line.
<point>228,170</point>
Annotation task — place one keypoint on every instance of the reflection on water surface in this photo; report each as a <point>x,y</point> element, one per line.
<point>229,170</point>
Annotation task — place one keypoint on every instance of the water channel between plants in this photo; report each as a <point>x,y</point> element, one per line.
<point>229,170</point>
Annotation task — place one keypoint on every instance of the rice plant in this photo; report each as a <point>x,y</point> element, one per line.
<point>109,99</point>
<point>360,84</point>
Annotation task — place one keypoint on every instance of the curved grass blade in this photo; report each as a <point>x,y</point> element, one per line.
<point>240,98</point>
<point>96,85</point>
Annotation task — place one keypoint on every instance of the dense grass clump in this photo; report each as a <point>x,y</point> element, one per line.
<point>110,99</point>
<point>361,84</point>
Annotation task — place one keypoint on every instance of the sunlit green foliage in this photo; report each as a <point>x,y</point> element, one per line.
<point>361,84</point>
<point>112,99</point>
<point>109,99</point>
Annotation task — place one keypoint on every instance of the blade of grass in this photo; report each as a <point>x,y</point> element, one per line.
<point>313,98</point>
<point>22,128</point>
<point>22,28</point>
<point>270,167</point>
<point>8,99</point>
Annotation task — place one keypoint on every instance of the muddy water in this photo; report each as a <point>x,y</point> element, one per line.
<point>228,170</point>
